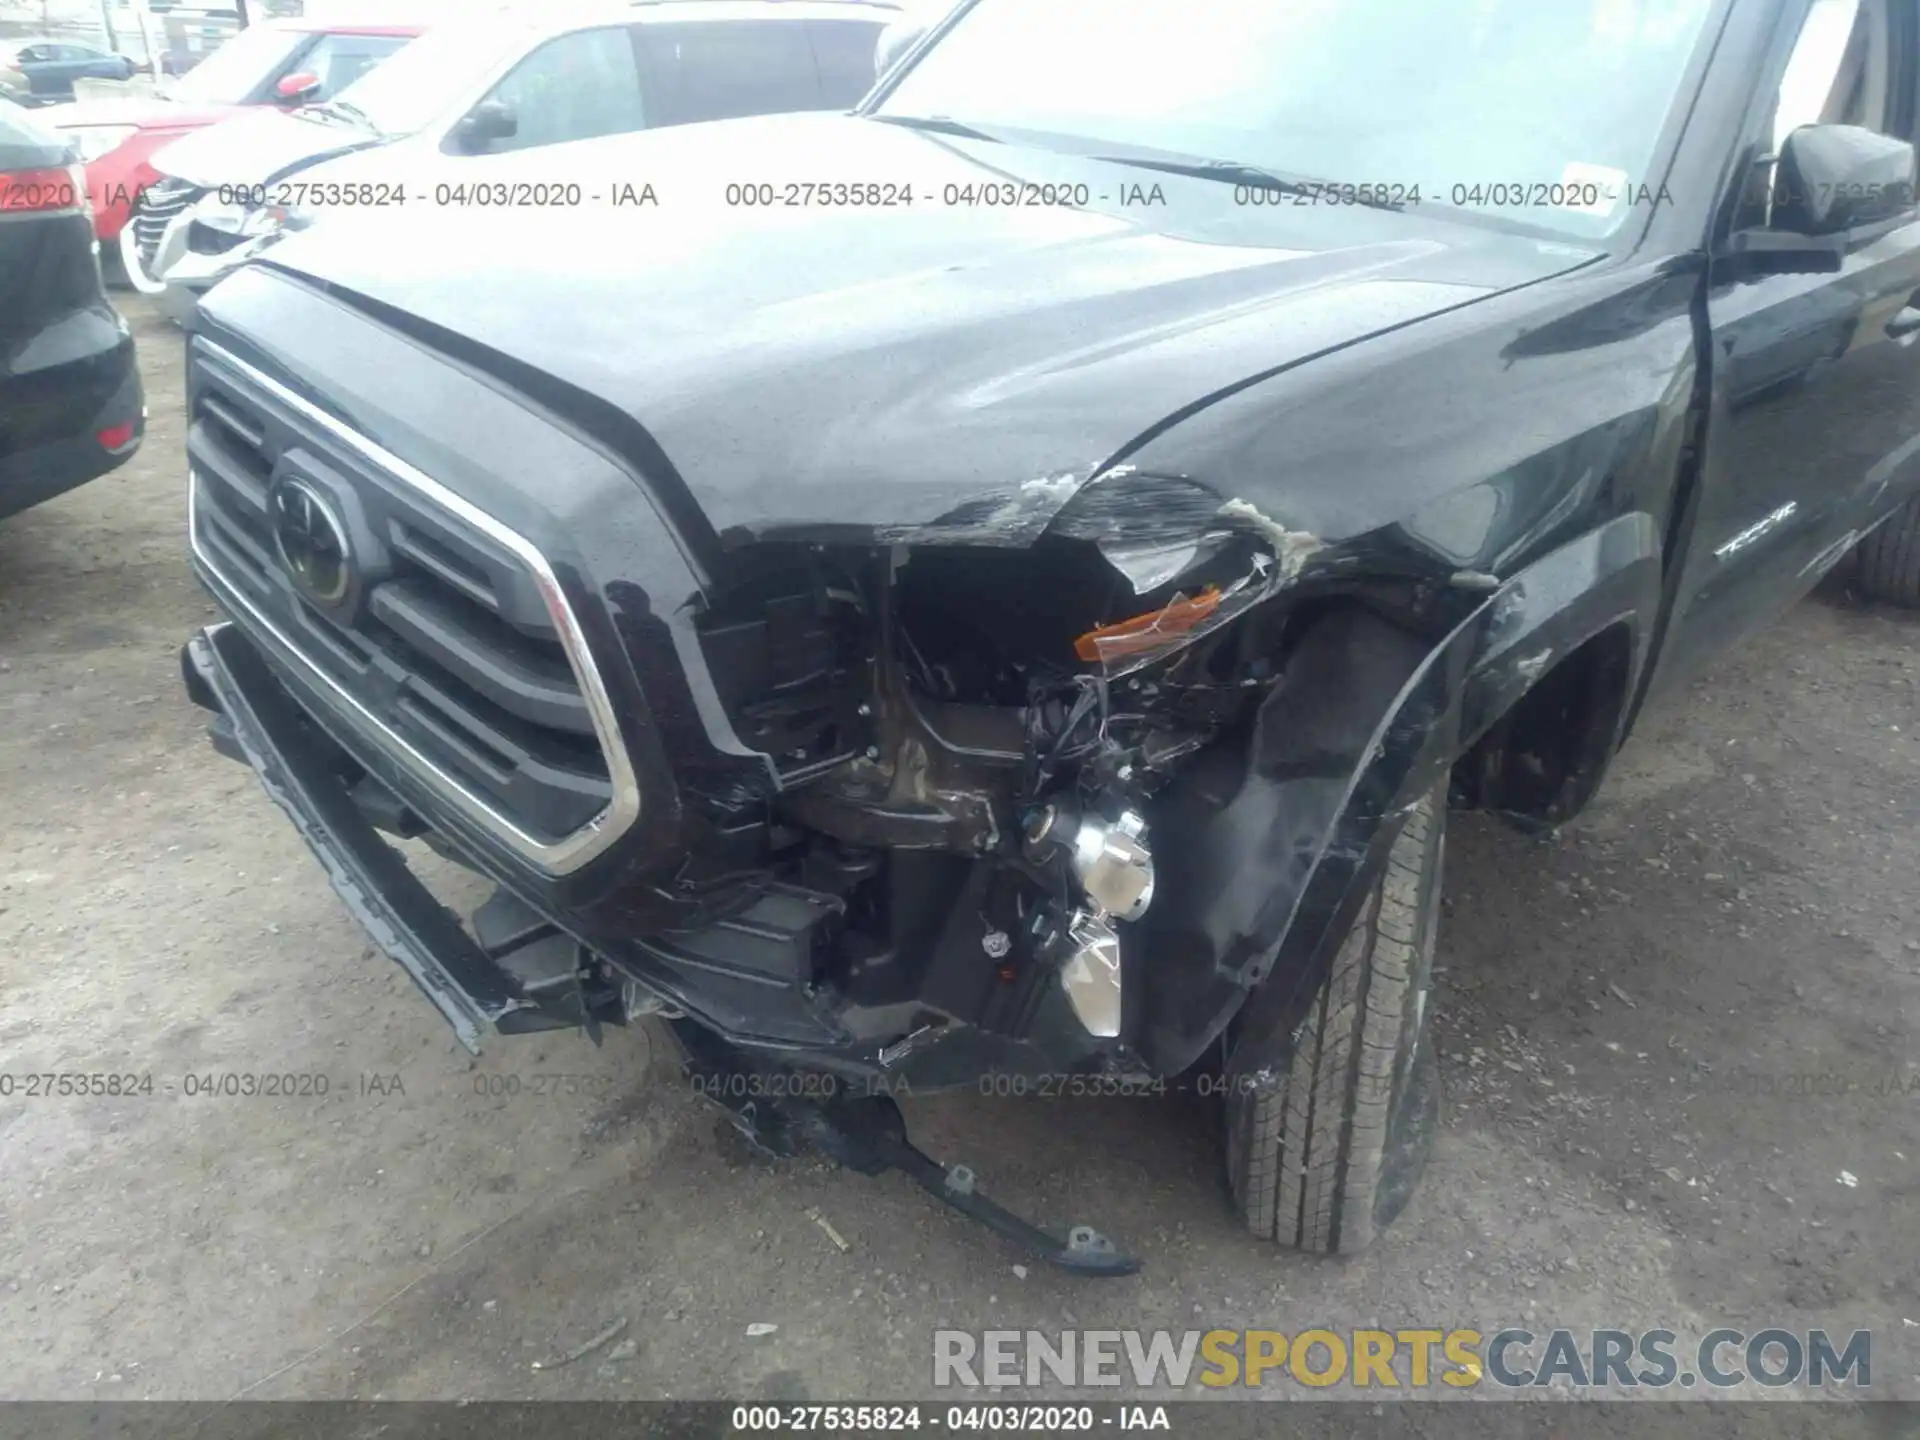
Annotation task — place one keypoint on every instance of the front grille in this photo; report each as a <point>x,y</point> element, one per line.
<point>455,648</point>
<point>155,210</point>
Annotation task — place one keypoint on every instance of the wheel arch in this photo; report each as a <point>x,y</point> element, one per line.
<point>1542,761</point>
<point>1366,721</point>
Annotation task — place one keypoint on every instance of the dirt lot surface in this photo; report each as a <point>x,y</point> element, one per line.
<point>1682,1083</point>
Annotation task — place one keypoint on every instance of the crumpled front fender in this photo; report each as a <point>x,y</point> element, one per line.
<point>1269,845</point>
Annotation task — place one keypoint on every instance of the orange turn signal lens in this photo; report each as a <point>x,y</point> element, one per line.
<point>1147,632</point>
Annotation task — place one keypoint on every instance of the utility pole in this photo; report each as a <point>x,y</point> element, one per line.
<point>241,6</point>
<point>106,22</point>
<point>144,18</point>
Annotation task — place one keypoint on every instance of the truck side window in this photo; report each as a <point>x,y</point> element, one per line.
<point>573,88</point>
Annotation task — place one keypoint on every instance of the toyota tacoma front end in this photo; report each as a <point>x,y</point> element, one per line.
<point>912,640</point>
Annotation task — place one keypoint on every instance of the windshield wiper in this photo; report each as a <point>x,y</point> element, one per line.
<point>1234,172</point>
<point>347,111</point>
<point>938,124</point>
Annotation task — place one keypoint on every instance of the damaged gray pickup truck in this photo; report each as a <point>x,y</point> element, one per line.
<point>1011,581</point>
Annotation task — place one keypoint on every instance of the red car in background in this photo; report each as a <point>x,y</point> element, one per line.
<point>279,62</point>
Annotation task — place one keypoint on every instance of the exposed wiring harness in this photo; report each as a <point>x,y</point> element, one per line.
<point>1064,727</point>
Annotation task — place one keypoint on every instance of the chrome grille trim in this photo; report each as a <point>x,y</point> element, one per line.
<point>556,857</point>
<point>157,207</point>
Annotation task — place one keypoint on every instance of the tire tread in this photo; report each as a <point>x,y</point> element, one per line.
<point>1890,558</point>
<point>1305,1154</point>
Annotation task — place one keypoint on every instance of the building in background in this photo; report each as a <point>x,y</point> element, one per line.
<point>187,34</point>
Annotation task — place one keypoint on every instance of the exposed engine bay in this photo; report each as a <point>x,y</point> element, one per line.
<point>969,743</point>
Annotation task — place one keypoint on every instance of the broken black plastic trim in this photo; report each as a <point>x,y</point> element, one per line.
<point>868,1134</point>
<point>414,930</point>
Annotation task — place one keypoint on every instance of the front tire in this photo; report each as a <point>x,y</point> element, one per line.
<point>1327,1155</point>
<point>1890,558</point>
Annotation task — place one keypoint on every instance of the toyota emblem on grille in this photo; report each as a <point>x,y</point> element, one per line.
<point>312,543</point>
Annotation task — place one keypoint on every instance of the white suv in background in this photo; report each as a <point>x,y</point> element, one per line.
<point>507,80</point>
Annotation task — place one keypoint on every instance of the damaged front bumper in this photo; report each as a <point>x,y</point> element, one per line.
<point>257,721</point>
<point>519,970</point>
<point>177,275</point>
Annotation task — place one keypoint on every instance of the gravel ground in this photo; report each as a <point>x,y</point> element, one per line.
<point>1682,1087</point>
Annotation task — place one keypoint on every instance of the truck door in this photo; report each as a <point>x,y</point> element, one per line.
<point>1814,430</point>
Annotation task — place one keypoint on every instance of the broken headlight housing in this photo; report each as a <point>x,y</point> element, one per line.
<point>1127,639</point>
<point>1114,869</point>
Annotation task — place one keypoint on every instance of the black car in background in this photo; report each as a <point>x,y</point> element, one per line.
<point>42,72</point>
<point>70,405</point>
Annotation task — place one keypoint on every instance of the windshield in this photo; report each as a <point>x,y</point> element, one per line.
<point>1542,111</point>
<point>235,70</point>
<point>407,93</point>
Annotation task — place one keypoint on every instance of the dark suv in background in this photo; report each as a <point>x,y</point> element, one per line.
<point>70,406</point>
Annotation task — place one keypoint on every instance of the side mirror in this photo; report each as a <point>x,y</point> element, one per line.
<point>895,41</point>
<point>1835,178</point>
<point>297,88</point>
<point>488,121</point>
<point>1834,187</point>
